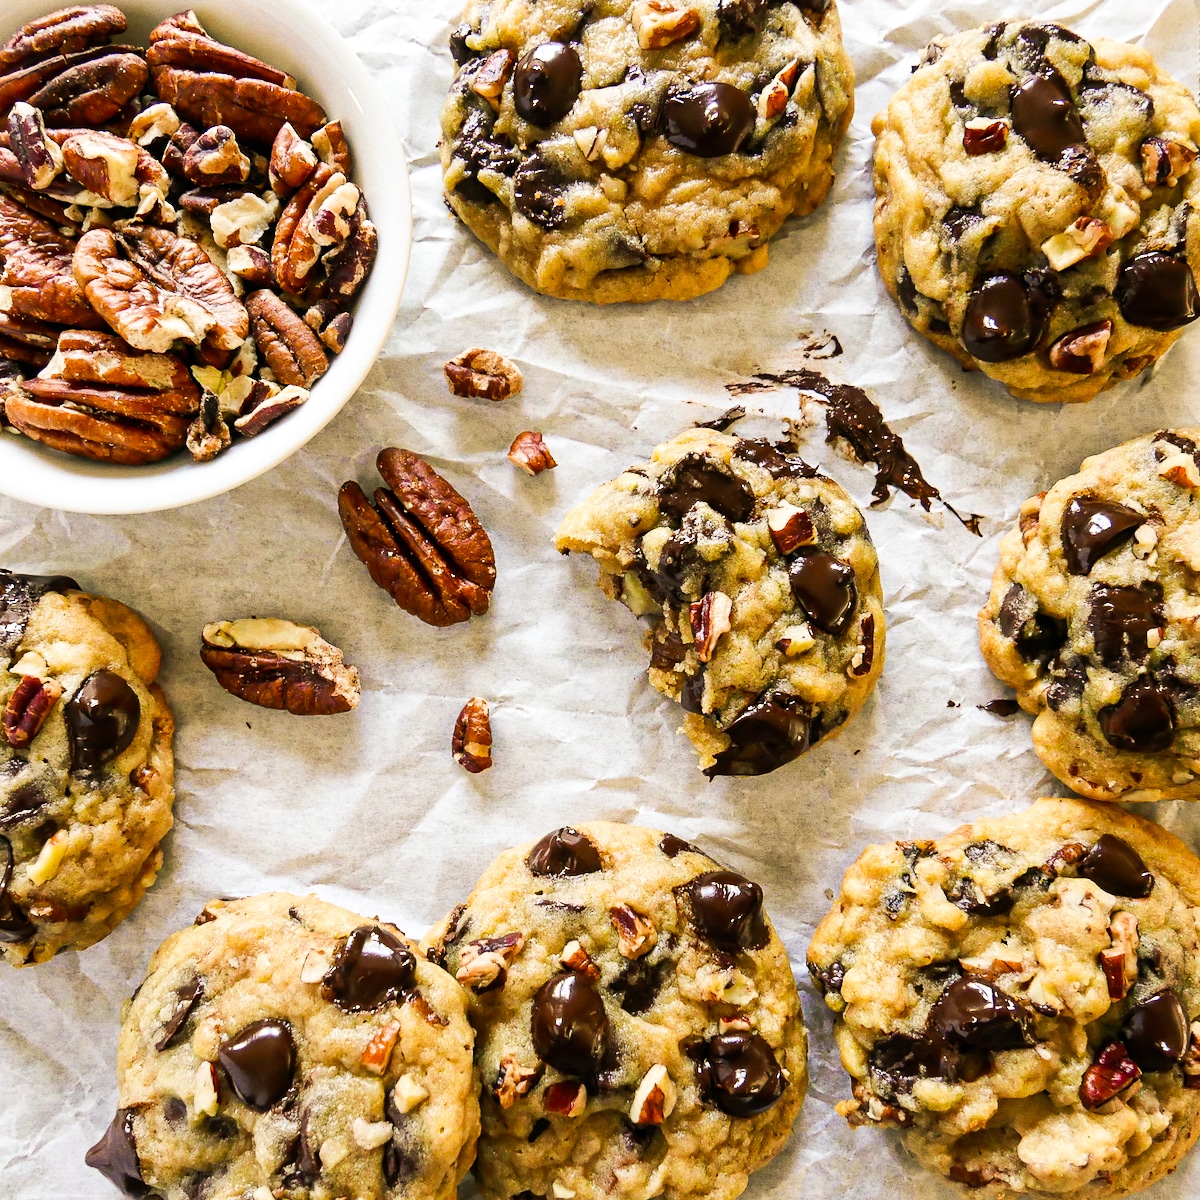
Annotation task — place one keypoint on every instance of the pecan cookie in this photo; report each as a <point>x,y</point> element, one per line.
<point>1035,210</point>
<point>1020,998</point>
<point>645,149</point>
<point>763,585</point>
<point>86,771</point>
<point>637,1025</point>
<point>284,1046</point>
<point>1092,620</point>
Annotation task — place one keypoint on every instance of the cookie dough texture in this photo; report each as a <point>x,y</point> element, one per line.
<point>287,1047</point>
<point>975,982</point>
<point>690,529</point>
<point>1092,619</point>
<point>585,196</point>
<point>655,1000</point>
<point>1060,256</point>
<point>85,802</point>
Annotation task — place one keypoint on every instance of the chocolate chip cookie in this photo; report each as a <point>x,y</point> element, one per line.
<point>644,149</point>
<point>86,771</point>
<point>637,1025</point>
<point>762,585</point>
<point>1092,620</point>
<point>287,1047</point>
<point>1020,999</point>
<point>1036,206</point>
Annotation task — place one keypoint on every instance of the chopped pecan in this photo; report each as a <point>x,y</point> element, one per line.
<point>983,135</point>
<point>91,92</point>
<point>636,935</point>
<point>27,709</point>
<point>658,23</point>
<point>567,1098</point>
<point>178,144</point>
<point>243,218</point>
<point>515,1080</point>
<point>575,958</point>
<point>330,324</point>
<point>1085,238</point>
<point>154,124</point>
<point>710,620</point>
<point>252,264</point>
<point>1081,351</point>
<point>530,453</point>
<point>654,1100</point>
<point>277,664</point>
<point>265,405</point>
<point>378,1050</point>
<point>483,374</point>
<point>215,158</point>
<point>471,743</point>
<point>423,544</point>
<point>1165,162</point>
<point>105,164</point>
<point>347,265</point>
<point>1111,1073</point>
<point>1180,469</point>
<point>38,156</point>
<point>492,74</point>
<point>1119,961</point>
<point>1191,1059</point>
<point>291,349</point>
<point>208,434</point>
<point>154,288</point>
<point>483,964</point>
<point>790,528</point>
<point>61,32</point>
<point>293,160</point>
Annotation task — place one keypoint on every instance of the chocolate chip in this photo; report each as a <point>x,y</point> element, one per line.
<point>260,1061</point>
<point>569,1026</point>
<point>772,731</point>
<point>18,595</point>
<point>1158,291</point>
<point>827,979</point>
<point>824,586</point>
<point>372,968</point>
<point>673,846</point>
<point>1142,720</point>
<point>15,926</point>
<point>694,480</point>
<point>1000,322</point>
<point>174,1110</point>
<point>186,999</point>
<point>546,83</point>
<point>973,1014</point>
<point>1092,528</point>
<point>564,852</point>
<point>115,1156</point>
<point>708,119</point>
<point>1121,617</point>
<point>727,910</point>
<point>740,18</point>
<point>739,1073</point>
<point>102,718</point>
<point>539,192</point>
<point>1113,864</point>
<point>1156,1033</point>
<point>1044,115</point>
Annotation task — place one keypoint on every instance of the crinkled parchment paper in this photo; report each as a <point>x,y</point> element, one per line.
<point>370,810</point>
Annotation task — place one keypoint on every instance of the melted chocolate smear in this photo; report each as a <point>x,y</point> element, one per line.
<point>1142,720</point>
<point>1092,528</point>
<point>727,910</point>
<point>15,926</point>
<point>372,968</point>
<point>739,1073</point>
<point>18,595</point>
<point>115,1156</point>
<point>260,1061</point>
<point>1113,864</point>
<point>729,417</point>
<point>1000,708</point>
<point>771,732</point>
<point>777,458</point>
<point>1156,1033</point>
<point>564,852</point>
<point>186,999</point>
<point>673,846</point>
<point>853,416</point>
<point>569,1026</point>
<point>695,479</point>
<point>102,718</point>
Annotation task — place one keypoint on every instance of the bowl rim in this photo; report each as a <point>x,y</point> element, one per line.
<point>30,471</point>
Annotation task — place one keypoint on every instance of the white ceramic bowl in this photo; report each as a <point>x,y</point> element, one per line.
<point>288,33</point>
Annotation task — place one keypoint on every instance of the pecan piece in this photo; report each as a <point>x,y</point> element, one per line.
<point>654,1100</point>
<point>983,135</point>
<point>104,164</point>
<point>483,964</point>
<point>790,528</point>
<point>291,349</point>
<point>25,340</point>
<point>216,159</point>
<point>658,23</point>
<point>1191,1059</point>
<point>636,935</point>
<point>515,1080</point>
<point>423,544</point>
<point>1119,961</point>
<point>277,664</point>
<point>37,279</point>
<point>154,288</point>
<point>38,156</point>
<point>483,374</point>
<point>27,709</point>
<point>566,1098</point>
<point>710,620</point>
<point>331,146</point>
<point>575,958</point>
<point>61,32</point>
<point>471,743</point>
<point>293,160</point>
<point>265,405</point>
<point>1081,351</point>
<point>91,92</point>
<point>208,434</point>
<point>530,453</point>
<point>347,265</point>
<point>1111,1073</point>
<point>1165,162</point>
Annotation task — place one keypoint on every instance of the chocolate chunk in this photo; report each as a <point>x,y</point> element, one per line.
<point>24,801</point>
<point>15,926</point>
<point>115,1156</point>
<point>1000,322</point>
<point>18,595</point>
<point>975,1015</point>
<point>903,1058</point>
<point>564,852</point>
<point>827,979</point>
<point>186,999</point>
<point>1113,864</point>
<point>673,846</point>
<point>1143,719</point>
<point>459,50</point>
<point>740,18</point>
<point>639,983</point>
<point>987,850</point>
<point>739,1073</point>
<point>691,694</point>
<point>774,459</point>
<point>727,910</point>
<point>399,1166</point>
<point>569,1026</point>
<point>1044,115</point>
<point>906,291</point>
<point>666,649</point>
<point>1156,1033</point>
<point>102,718</point>
<point>175,1110</point>
<point>958,221</point>
<point>260,1061</point>
<point>1121,617</point>
<point>539,191</point>
<point>694,480</point>
<point>824,586</point>
<point>1158,291</point>
<point>1002,707</point>
<point>479,147</point>
<point>1092,528</point>
<point>546,83</point>
<point>372,968</point>
<point>537,1129</point>
<point>967,895</point>
<point>770,732</point>
<point>708,119</point>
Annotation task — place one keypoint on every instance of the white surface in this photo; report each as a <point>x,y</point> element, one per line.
<point>292,35</point>
<point>369,809</point>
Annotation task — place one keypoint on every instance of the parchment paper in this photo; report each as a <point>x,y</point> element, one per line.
<point>369,809</point>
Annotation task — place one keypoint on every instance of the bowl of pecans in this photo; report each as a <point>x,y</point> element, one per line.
<point>205,226</point>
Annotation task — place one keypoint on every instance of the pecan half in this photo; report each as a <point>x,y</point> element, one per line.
<point>93,91</point>
<point>530,453</point>
<point>423,543</point>
<point>277,664</point>
<point>181,41</point>
<point>61,32</point>
<point>471,743</point>
<point>27,709</point>
<point>154,288</point>
<point>320,216</point>
<point>483,374</point>
<point>291,349</point>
